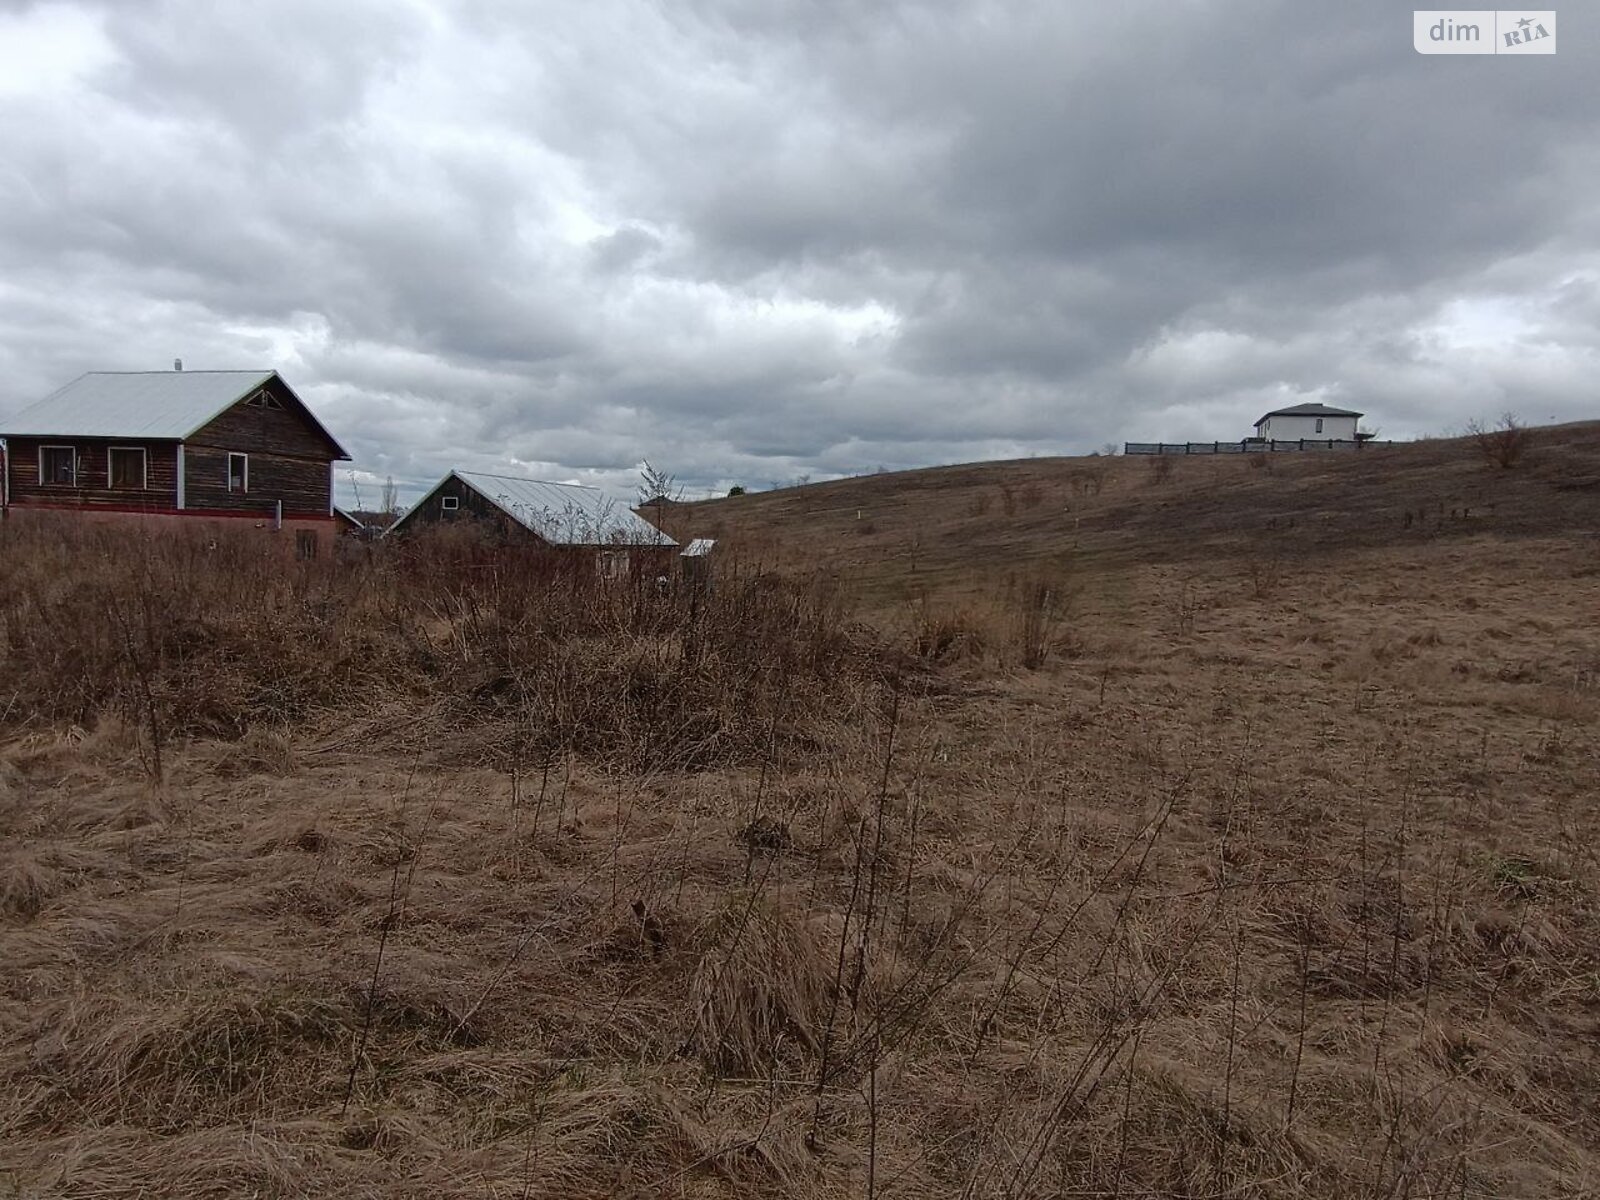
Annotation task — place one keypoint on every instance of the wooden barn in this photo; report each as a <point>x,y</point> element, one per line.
<point>187,444</point>
<point>568,518</point>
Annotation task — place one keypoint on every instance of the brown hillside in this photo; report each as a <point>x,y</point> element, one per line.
<point>1143,844</point>
<point>895,534</point>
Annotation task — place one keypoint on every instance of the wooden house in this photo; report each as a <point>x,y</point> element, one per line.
<point>567,518</point>
<point>190,444</point>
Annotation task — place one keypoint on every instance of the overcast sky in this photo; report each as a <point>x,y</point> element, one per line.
<point>755,239</point>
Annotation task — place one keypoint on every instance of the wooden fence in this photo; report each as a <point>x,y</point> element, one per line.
<point>1249,446</point>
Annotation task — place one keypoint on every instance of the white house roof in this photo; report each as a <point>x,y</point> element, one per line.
<point>1311,410</point>
<point>563,514</point>
<point>699,548</point>
<point>159,405</point>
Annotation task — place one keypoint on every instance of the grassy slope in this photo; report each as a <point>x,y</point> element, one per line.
<point>1278,879</point>
<point>946,528</point>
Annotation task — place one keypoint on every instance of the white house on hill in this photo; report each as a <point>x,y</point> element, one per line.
<point>1308,421</point>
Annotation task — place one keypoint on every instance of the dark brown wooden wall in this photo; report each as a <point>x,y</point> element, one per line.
<point>289,459</point>
<point>288,431</point>
<point>474,510</point>
<point>302,484</point>
<point>93,488</point>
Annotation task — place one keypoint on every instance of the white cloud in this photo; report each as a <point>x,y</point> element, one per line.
<point>755,241</point>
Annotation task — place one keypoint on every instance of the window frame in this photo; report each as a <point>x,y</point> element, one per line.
<point>306,545</point>
<point>244,486</point>
<point>144,466</point>
<point>1319,424</point>
<point>70,449</point>
<point>449,503</point>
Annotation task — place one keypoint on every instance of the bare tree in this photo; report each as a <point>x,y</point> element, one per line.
<point>355,486</point>
<point>1504,444</point>
<point>658,486</point>
<point>389,497</point>
<point>657,490</point>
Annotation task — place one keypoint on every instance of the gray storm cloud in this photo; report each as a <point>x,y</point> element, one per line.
<point>752,241</point>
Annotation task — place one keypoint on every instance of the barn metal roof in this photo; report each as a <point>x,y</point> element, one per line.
<point>699,547</point>
<point>161,405</point>
<point>563,514</point>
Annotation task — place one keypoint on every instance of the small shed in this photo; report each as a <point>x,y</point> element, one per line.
<point>695,561</point>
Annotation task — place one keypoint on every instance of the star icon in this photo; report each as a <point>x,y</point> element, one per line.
<point>1525,22</point>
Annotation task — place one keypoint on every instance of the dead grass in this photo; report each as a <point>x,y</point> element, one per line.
<point>1264,887</point>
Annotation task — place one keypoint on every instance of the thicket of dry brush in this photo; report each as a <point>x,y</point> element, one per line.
<point>217,633</point>
<point>501,882</point>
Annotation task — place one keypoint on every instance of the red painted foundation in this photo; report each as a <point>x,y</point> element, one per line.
<point>326,528</point>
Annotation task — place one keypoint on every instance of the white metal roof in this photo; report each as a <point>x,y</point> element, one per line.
<point>699,547</point>
<point>138,404</point>
<point>563,514</point>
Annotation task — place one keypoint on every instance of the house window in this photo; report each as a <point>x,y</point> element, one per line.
<point>126,467</point>
<point>238,472</point>
<point>449,503</point>
<point>613,564</point>
<point>1319,424</point>
<point>305,544</point>
<point>58,464</point>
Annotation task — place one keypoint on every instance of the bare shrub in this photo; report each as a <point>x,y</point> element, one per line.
<point>940,634</point>
<point>1040,607</point>
<point>1087,481</point>
<point>1265,573</point>
<point>1182,603</point>
<point>1504,444</point>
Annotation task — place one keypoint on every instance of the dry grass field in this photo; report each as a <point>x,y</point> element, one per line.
<point>1061,828</point>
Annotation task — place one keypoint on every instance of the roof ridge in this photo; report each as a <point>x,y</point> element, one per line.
<point>168,406</point>
<point>527,479</point>
<point>196,371</point>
